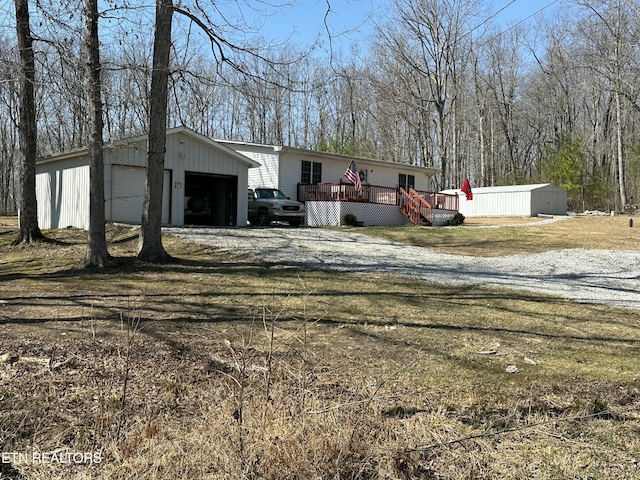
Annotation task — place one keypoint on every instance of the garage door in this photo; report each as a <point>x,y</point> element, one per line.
<point>127,194</point>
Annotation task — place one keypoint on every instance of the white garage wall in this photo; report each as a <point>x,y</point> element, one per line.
<point>126,199</point>
<point>62,193</point>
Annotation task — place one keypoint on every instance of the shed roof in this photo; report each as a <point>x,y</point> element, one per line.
<point>507,188</point>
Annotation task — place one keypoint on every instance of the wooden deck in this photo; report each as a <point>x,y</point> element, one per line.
<point>417,206</point>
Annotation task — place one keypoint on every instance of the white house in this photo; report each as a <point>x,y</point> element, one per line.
<point>513,200</point>
<point>298,171</point>
<point>205,183</point>
<point>286,167</point>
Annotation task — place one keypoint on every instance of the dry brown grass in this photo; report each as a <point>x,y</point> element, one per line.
<point>520,235</point>
<point>218,367</point>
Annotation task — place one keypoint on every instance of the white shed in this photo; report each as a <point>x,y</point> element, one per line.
<point>513,200</point>
<point>205,183</point>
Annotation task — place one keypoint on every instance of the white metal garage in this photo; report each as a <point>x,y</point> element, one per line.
<point>513,200</point>
<point>193,162</point>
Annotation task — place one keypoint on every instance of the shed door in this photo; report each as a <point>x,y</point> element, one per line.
<point>127,194</point>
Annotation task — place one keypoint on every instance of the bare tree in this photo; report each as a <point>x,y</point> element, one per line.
<point>27,207</point>
<point>97,253</point>
<point>427,40</point>
<point>150,245</point>
<point>610,38</point>
<point>505,77</point>
<point>8,131</point>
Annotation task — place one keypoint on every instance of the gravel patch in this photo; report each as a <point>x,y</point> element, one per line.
<point>589,276</point>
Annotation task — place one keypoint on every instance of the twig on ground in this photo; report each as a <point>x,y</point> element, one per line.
<point>487,434</point>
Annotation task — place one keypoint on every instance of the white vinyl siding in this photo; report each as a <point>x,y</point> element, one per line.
<point>290,174</point>
<point>388,175</point>
<point>281,167</point>
<point>267,174</point>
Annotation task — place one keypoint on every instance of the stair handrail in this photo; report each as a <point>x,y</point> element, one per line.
<point>424,207</point>
<point>414,206</point>
<point>405,203</point>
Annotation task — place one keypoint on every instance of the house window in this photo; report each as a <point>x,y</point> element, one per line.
<point>311,172</point>
<point>406,181</point>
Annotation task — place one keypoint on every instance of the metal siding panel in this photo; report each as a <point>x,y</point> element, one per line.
<point>515,200</point>
<point>75,211</point>
<point>242,200</point>
<point>198,157</point>
<point>540,202</point>
<point>465,207</point>
<point>175,161</point>
<point>562,207</point>
<point>495,204</point>
<point>549,200</point>
<point>127,194</point>
<point>62,193</point>
<point>133,154</point>
<point>43,199</point>
<point>166,197</point>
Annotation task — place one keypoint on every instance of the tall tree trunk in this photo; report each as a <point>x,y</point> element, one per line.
<point>27,207</point>
<point>618,86</point>
<point>151,248</point>
<point>97,253</point>
<point>619,153</point>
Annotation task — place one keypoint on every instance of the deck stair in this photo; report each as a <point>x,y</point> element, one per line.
<point>414,206</point>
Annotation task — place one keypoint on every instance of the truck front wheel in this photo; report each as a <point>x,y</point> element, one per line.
<point>263,218</point>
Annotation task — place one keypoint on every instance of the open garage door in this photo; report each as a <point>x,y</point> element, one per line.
<point>210,199</point>
<point>127,194</point>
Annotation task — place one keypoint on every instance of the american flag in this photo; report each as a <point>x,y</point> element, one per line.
<point>353,177</point>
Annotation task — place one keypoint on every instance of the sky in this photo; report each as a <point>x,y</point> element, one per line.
<point>350,20</point>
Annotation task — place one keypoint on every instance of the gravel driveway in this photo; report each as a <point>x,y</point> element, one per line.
<point>589,276</point>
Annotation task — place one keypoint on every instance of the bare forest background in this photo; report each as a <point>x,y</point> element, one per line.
<point>439,83</point>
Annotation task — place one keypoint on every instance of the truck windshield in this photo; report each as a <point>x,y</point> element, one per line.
<point>270,193</point>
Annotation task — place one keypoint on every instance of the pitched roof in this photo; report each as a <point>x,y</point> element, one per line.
<point>79,152</point>
<point>347,158</point>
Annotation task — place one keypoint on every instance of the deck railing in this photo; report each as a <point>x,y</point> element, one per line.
<point>346,192</point>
